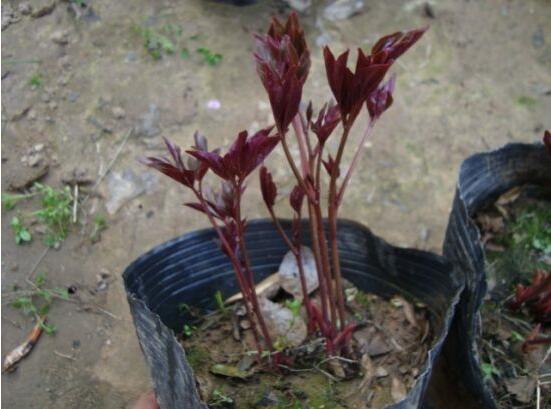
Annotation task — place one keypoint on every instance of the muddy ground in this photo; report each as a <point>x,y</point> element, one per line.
<point>481,77</point>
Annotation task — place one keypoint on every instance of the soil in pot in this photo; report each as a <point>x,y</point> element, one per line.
<point>516,232</point>
<point>387,351</point>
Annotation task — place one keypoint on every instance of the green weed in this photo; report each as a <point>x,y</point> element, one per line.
<point>219,299</point>
<point>100,224</point>
<point>488,370</point>
<point>36,80</point>
<point>209,56</point>
<point>21,233</point>
<point>55,212</point>
<point>219,399</point>
<point>37,301</point>
<point>527,102</point>
<point>9,200</point>
<point>197,357</point>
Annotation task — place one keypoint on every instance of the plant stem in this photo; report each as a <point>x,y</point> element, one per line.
<point>245,290</point>
<point>332,206</point>
<point>317,256</point>
<point>297,126</point>
<point>326,266</point>
<point>294,168</point>
<point>295,249</point>
<point>243,249</point>
<point>354,162</point>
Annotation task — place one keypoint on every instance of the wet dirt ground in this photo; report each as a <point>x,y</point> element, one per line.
<point>481,77</point>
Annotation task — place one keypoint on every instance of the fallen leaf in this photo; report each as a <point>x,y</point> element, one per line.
<point>369,373</point>
<point>229,371</point>
<point>522,387</point>
<point>377,345</point>
<point>397,390</point>
<point>509,196</point>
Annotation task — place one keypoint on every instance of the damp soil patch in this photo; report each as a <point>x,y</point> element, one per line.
<point>516,313</point>
<point>387,351</point>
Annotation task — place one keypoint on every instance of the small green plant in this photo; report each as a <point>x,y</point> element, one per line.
<point>9,200</point>
<point>21,233</point>
<point>184,53</point>
<point>488,370</point>
<point>525,101</point>
<point>197,356</point>
<point>37,302</point>
<point>189,330</point>
<point>219,299</point>
<point>515,336</point>
<point>100,224</point>
<point>209,57</point>
<point>294,305</point>
<point>219,399</point>
<point>157,43</point>
<point>36,80</point>
<point>55,213</point>
<point>532,230</point>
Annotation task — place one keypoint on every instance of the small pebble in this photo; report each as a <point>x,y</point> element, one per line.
<point>131,56</point>
<point>25,8</point>
<point>38,147</point>
<point>72,96</point>
<point>118,112</point>
<point>60,37</point>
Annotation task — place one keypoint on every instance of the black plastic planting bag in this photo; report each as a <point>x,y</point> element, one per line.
<point>482,179</point>
<point>191,268</point>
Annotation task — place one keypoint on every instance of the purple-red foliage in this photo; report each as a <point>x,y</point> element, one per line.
<point>328,119</point>
<point>267,187</point>
<point>381,99</point>
<point>352,88</point>
<point>536,297</point>
<point>282,62</point>
<point>296,198</point>
<point>243,156</point>
<point>174,167</point>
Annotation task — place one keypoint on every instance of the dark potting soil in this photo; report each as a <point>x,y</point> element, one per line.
<point>388,350</point>
<point>516,232</point>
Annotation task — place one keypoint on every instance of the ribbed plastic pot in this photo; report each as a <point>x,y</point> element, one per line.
<point>190,269</point>
<point>482,179</point>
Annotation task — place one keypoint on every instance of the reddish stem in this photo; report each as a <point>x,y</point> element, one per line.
<point>243,249</point>
<point>295,249</point>
<point>354,162</point>
<point>236,266</point>
<point>332,216</point>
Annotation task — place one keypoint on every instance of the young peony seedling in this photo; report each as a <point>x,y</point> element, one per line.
<point>282,60</point>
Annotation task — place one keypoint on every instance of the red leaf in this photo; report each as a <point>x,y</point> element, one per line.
<point>330,166</point>
<point>174,169</point>
<point>395,44</point>
<point>283,62</point>
<point>267,187</point>
<point>381,99</point>
<point>328,119</point>
<point>296,198</point>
